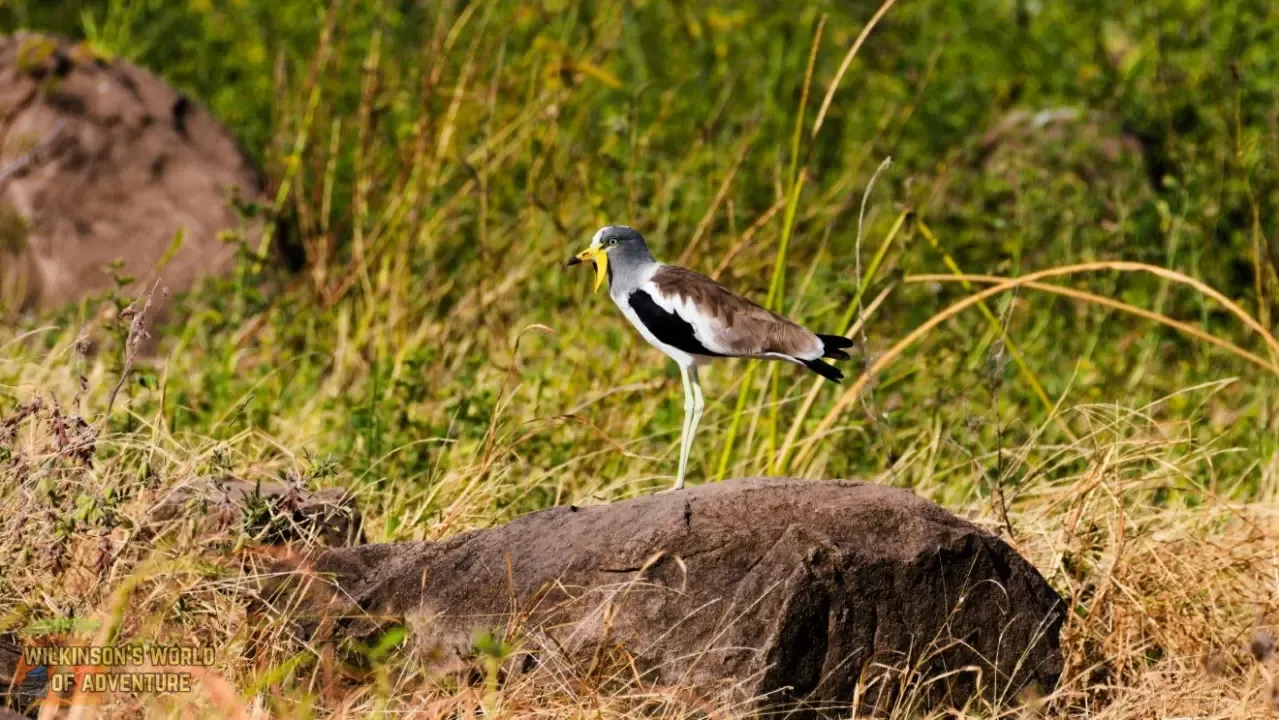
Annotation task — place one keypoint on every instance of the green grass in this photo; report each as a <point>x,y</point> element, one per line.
<point>439,161</point>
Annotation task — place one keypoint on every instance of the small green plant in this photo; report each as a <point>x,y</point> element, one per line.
<point>13,231</point>
<point>34,52</point>
<point>492,651</point>
<point>122,31</point>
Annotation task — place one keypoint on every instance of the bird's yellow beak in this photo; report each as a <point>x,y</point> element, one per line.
<point>598,257</point>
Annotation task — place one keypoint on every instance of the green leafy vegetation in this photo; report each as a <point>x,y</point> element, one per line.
<point>438,161</point>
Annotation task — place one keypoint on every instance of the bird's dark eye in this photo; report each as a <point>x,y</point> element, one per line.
<point>612,242</point>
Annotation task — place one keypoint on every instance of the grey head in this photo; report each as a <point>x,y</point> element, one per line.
<point>625,247</point>
<point>618,253</point>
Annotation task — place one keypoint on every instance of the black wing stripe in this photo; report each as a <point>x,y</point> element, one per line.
<point>667,326</point>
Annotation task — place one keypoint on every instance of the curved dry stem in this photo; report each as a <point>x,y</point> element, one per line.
<point>848,60</point>
<point>818,382</point>
<point>1005,284</point>
<point>1129,266</point>
<point>1117,305</point>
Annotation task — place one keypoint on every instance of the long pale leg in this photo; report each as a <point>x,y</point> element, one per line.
<point>685,441</point>
<point>693,406</point>
<point>698,405</point>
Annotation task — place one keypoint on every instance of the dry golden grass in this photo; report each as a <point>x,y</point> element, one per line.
<point>1169,581</point>
<point>440,159</point>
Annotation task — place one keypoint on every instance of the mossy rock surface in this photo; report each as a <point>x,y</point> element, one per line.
<point>106,165</point>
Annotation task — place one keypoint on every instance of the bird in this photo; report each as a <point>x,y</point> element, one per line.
<point>693,320</point>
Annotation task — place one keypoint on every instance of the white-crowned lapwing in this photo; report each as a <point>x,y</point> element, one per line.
<point>694,319</point>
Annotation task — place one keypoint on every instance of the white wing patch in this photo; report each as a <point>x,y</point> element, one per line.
<point>787,358</point>
<point>683,358</point>
<point>708,330</point>
<point>705,326</point>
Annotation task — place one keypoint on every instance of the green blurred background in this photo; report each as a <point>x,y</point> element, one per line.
<point>438,161</point>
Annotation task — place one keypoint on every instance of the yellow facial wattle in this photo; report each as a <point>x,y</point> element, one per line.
<point>598,258</point>
<point>601,269</point>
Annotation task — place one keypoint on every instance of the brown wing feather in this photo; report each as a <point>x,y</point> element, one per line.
<point>743,327</point>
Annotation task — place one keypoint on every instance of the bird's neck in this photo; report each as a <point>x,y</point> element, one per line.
<point>624,278</point>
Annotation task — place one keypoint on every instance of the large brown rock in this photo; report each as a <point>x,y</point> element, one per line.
<point>801,590</point>
<point>103,162</point>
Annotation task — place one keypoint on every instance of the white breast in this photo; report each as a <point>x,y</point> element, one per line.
<point>683,358</point>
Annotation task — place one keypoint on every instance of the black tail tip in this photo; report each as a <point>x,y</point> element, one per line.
<point>830,372</point>
<point>833,346</point>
